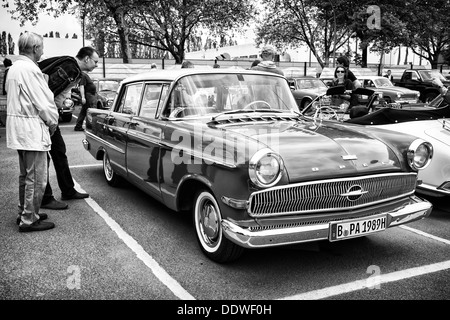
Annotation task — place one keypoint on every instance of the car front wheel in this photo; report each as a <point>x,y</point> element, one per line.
<point>207,220</point>
<point>111,177</point>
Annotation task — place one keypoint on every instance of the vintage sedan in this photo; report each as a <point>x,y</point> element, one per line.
<point>231,147</point>
<point>388,91</point>
<point>430,122</point>
<point>106,91</point>
<point>306,89</point>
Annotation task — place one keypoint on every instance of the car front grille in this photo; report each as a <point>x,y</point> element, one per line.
<point>331,195</point>
<point>407,97</point>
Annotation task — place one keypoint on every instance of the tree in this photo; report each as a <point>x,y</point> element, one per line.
<point>428,23</point>
<point>292,23</point>
<point>169,25</point>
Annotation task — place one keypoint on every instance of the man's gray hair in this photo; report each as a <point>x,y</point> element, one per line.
<point>28,40</point>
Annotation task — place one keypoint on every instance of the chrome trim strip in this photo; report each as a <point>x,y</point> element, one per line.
<point>417,209</point>
<point>106,143</point>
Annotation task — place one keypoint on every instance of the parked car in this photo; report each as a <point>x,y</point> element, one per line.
<point>306,89</point>
<point>66,110</point>
<point>231,147</point>
<point>388,91</point>
<point>106,92</point>
<point>429,122</point>
<point>421,80</point>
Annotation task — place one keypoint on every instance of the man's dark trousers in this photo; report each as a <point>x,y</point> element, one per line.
<point>61,164</point>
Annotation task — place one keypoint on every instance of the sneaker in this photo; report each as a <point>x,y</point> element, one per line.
<point>76,195</point>
<point>37,226</point>
<point>78,129</point>
<point>55,205</point>
<point>42,216</point>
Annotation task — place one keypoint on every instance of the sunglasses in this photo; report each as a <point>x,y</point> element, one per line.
<point>340,71</point>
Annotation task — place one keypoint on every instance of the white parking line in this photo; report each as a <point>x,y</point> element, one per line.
<point>425,234</point>
<point>370,282</point>
<point>87,165</point>
<point>157,270</point>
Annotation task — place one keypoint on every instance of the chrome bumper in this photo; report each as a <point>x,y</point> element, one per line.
<point>416,210</point>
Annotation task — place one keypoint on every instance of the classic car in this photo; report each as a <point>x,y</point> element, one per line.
<point>429,122</point>
<point>231,148</point>
<point>66,110</point>
<point>306,89</point>
<point>388,91</point>
<point>106,92</point>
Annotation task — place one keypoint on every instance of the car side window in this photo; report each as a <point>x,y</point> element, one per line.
<point>129,102</point>
<point>150,100</point>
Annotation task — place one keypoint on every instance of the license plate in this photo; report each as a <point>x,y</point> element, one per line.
<point>356,228</point>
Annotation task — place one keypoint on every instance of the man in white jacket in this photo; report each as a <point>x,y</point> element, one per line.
<point>32,118</point>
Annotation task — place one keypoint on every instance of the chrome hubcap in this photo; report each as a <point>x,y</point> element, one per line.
<point>209,221</point>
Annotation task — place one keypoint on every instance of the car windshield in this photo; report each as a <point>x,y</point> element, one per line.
<point>225,93</point>
<point>108,85</point>
<point>383,82</point>
<point>430,74</point>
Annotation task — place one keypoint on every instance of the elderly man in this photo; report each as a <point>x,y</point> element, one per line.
<point>32,119</point>
<point>267,64</point>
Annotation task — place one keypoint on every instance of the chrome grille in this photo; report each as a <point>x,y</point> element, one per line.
<point>331,195</point>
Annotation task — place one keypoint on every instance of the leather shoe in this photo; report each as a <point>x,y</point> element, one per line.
<point>78,129</point>
<point>76,195</point>
<point>55,205</point>
<point>42,216</point>
<point>36,226</point>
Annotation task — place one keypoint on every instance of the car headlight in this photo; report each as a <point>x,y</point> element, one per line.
<point>265,168</point>
<point>380,94</point>
<point>68,103</point>
<point>399,95</point>
<point>419,154</point>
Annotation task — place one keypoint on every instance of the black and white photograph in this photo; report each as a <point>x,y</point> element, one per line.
<point>224,159</point>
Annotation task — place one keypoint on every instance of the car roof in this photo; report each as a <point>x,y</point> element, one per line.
<point>173,74</point>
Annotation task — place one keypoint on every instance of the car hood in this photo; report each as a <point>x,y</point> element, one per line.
<point>314,152</point>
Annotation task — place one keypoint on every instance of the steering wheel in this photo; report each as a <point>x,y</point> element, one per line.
<point>265,105</point>
<point>325,113</point>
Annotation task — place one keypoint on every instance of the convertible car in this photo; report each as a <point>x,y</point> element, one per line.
<point>231,148</point>
<point>430,122</point>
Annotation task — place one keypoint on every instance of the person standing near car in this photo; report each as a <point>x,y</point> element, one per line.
<point>343,61</point>
<point>32,119</point>
<point>267,64</point>
<point>87,59</point>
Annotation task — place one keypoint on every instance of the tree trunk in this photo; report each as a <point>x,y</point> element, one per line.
<point>399,55</point>
<point>122,29</point>
<point>406,56</point>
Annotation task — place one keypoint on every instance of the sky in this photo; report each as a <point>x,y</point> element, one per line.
<point>52,46</point>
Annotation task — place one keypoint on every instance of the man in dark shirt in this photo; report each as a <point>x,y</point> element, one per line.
<point>88,61</point>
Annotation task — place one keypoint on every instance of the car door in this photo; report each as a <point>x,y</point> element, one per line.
<point>144,140</point>
<point>117,123</point>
